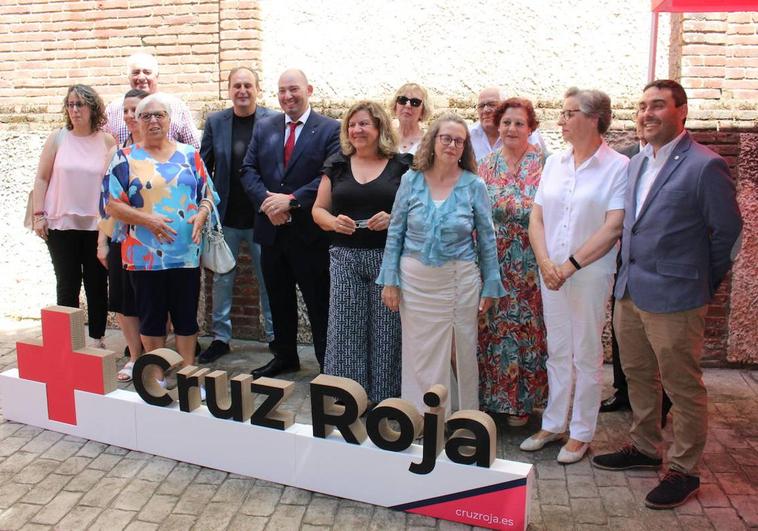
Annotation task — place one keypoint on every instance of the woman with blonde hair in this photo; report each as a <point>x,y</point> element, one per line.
<point>411,106</point>
<point>440,264</point>
<point>353,203</point>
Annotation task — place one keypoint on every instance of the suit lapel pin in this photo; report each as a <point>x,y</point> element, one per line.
<point>676,157</point>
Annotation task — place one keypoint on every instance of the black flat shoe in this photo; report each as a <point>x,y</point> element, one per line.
<point>614,403</point>
<point>276,367</point>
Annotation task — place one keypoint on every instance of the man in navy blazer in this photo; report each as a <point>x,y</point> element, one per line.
<point>226,137</point>
<point>281,173</point>
<point>680,228</point>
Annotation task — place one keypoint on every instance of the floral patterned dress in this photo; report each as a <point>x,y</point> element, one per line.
<point>512,339</point>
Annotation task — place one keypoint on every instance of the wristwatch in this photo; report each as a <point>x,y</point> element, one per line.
<point>294,202</point>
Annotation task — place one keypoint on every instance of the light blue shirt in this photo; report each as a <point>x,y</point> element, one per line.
<point>435,235</point>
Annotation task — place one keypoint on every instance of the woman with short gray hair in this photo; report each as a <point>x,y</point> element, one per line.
<point>574,226</point>
<point>160,190</point>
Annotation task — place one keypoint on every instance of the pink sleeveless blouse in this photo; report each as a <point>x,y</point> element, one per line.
<point>73,194</point>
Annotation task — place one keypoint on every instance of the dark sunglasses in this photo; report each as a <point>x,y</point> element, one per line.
<point>403,100</point>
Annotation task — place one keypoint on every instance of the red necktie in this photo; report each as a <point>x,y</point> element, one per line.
<point>289,145</point>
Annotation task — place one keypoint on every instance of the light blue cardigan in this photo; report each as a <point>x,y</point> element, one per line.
<point>436,235</point>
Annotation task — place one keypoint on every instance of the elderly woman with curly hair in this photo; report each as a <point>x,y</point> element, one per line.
<point>411,107</point>
<point>65,200</point>
<point>440,264</point>
<point>354,201</point>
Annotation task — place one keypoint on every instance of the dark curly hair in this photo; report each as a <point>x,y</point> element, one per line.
<point>91,99</point>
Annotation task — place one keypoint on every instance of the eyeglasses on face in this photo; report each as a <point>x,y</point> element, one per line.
<point>568,113</point>
<point>487,106</point>
<point>75,104</point>
<point>446,140</point>
<point>158,115</point>
<point>403,100</point>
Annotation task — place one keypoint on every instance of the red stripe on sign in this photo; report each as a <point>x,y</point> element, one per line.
<point>502,509</point>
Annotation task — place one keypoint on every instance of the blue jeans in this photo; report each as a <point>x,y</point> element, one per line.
<point>223,286</point>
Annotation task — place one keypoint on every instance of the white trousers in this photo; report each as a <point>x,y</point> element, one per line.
<point>438,304</point>
<point>574,319</point>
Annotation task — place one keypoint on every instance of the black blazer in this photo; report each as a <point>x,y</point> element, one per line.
<point>263,171</point>
<point>216,149</point>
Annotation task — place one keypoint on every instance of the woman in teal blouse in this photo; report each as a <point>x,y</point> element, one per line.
<point>440,264</point>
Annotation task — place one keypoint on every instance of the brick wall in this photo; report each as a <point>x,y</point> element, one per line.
<point>47,46</point>
<point>719,57</point>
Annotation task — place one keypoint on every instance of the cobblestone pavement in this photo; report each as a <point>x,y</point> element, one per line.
<point>48,480</point>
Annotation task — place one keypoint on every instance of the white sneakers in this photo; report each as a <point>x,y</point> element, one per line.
<point>532,444</point>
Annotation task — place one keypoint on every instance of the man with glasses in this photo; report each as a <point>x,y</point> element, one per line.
<point>142,70</point>
<point>485,137</point>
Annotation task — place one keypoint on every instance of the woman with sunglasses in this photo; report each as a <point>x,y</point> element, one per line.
<point>159,189</point>
<point>120,292</point>
<point>575,223</point>
<point>65,201</point>
<point>411,107</point>
<point>440,265</point>
<point>353,204</point>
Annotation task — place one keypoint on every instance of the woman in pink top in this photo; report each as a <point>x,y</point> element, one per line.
<point>66,198</point>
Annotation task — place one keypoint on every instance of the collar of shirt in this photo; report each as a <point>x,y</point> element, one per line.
<point>302,119</point>
<point>599,155</point>
<point>660,158</point>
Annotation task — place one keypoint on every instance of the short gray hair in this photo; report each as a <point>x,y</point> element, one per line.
<point>593,103</point>
<point>161,98</point>
<point>142,58</point>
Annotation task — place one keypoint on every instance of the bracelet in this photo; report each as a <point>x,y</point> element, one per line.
<point>207,209</point>
<point>574,262</point>
<point>40,213</point>
<point>207,201</point>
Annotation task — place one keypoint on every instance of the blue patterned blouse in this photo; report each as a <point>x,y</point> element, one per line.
<point>459,229</point>
<point>173,189</point>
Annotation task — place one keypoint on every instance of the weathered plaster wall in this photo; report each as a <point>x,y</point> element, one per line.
<point>743,325</point>
<point>535,48</point>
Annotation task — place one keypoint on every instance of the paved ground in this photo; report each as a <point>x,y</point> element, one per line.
<point>48,480</point>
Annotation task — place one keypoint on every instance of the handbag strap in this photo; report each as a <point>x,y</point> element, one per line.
<point>209,222</point>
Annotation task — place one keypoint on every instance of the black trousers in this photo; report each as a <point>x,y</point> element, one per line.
<point>74,257</point>
<point>289,263</point>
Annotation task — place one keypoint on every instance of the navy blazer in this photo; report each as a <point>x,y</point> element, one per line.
<point>264,171</point>
<point>677,252</point>
<point>216,149</point>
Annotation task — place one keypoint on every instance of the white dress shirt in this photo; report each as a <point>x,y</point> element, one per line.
<point>651,167</point>
<point>574,201</point>
<point>482,147</point>
<point>287,121</point>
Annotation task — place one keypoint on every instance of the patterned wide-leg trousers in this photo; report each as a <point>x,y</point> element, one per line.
<point>363,337</point>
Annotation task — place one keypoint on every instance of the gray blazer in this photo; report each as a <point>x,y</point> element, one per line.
<point>216,150</point>
<point>676,253</point>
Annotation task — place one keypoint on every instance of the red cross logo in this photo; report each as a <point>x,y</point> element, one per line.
<point>63,363</point>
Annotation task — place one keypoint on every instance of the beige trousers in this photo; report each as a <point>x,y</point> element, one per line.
<point>439,305</point>
<point>664,348</point>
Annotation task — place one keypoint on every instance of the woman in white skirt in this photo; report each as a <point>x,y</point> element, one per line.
<point>440,264</point>
<point>574,226</point>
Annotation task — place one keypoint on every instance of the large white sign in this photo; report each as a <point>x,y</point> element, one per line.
<point>61,385</point>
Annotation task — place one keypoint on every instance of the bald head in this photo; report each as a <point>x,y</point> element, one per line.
<point>294,93</point>
<point>486,104</point>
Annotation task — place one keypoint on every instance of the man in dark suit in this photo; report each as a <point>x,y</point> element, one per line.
<point>281,173</point>
<point>680,228</point>
<point>226,137</point>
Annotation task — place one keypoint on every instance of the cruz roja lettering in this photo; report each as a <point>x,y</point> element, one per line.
<point>336,403</point>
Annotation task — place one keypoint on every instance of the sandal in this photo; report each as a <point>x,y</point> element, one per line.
<point>125,374</point>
